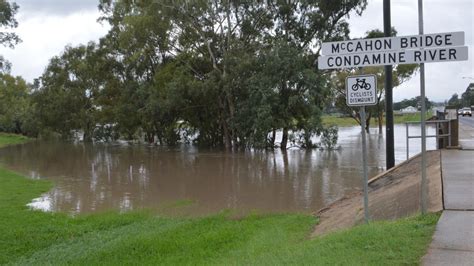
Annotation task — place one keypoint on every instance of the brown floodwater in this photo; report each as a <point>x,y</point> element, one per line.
<point>91,178</point>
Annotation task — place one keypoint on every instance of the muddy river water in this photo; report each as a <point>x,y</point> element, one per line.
<point>90,178</point>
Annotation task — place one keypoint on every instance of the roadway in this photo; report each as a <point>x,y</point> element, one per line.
<point>467,120</point>
<point>466,132</point>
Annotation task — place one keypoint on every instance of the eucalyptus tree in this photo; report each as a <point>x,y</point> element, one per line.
<point>454,101</point>
<point>298,28</point>
<point>215,35</point>
<point>467,98</point>
<point>68,98</point>
<point>14,104</point>
<point>139,43</point>
<point>228,71</point>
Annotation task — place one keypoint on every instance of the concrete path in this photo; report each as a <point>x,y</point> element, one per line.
<point>458,179</point>
<point>466,132</point>
<point>453,241</point>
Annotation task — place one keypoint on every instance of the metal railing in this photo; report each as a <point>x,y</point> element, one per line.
<point>438,136</point>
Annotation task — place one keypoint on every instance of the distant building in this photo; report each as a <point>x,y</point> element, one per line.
<point>409,110</point>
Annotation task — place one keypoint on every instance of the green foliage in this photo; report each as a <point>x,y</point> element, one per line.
<point>415,102</point>
<point>329,137</point>
<point>8,11</point>
<point>455,101</point>
<point>467,98</point>
<point>9,39</point>
<point>228,73</point>
<point>15,106</point>
<point>70,86</point>
<point>350,122</point>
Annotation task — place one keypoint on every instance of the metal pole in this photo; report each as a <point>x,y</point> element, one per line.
<point>390,142</point>
<point>449,132</point>
<point>423,118</point>
<point>364,163</point>
<point>408,142</point>
<point>438,128</point>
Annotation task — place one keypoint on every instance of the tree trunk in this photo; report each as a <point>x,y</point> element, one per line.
<point>227,136</point>
<point>150,138</point>
<point>159,135</point>
<point>273,138</point>
<point>367,122</point>
<point>87,137</point>
<point>380,113</point>
<point>284,139</point>
<point>380,122</point>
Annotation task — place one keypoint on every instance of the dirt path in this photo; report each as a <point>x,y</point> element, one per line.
<point>393,194</point>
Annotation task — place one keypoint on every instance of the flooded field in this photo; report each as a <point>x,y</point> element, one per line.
<point>90,178</point>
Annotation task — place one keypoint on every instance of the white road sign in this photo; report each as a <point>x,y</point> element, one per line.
<point>448,39</point>
<point>361,90</point>
<point>394,57</point>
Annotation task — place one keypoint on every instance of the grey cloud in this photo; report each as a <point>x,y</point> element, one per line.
<point>55,7</point>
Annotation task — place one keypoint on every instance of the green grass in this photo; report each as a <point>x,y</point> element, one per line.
<point>329,120</point>
<point>33,237</point>
<point>10,139</point>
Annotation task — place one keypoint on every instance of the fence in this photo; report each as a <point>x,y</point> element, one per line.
<point>438,136</point>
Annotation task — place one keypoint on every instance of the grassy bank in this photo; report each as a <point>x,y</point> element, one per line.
<point>33,237</point>
<point>329,120</point>
<point>11,139</point>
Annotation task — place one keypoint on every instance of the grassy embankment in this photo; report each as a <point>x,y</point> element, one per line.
<point>33,237</point>
<point>329,120</point>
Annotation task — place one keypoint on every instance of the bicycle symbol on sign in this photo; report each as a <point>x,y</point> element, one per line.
<point>361,84</point>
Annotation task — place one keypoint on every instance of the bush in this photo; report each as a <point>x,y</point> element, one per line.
<point>329,137</point>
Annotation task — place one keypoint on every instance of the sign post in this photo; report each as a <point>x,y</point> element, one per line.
<point>364,161</point>
<point>388,70</point>
<point>424,186</point>
<point>362,91</point>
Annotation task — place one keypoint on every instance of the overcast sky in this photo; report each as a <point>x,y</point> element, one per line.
<point>46,26</point>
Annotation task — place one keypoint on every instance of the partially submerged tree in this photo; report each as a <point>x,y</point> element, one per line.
<point>230,73</point>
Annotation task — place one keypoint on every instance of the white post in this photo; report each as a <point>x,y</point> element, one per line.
<point>408,141</point>
<point>364,163</point>
<point>423,118</point>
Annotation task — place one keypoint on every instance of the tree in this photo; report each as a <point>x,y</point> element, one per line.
<point>467,97</point>
<point>227,72</point>
<point>15,104</point>
<point>71,87</point>
<point>304,25</point>
<point>455,101</point>
<point>414,102</point>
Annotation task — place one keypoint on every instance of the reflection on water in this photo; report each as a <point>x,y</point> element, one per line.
<point>95,178</point>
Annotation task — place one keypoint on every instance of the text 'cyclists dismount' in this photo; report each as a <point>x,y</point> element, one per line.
<point>361,90</point>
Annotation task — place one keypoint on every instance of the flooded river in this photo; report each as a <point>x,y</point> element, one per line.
<point>90,178</point>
